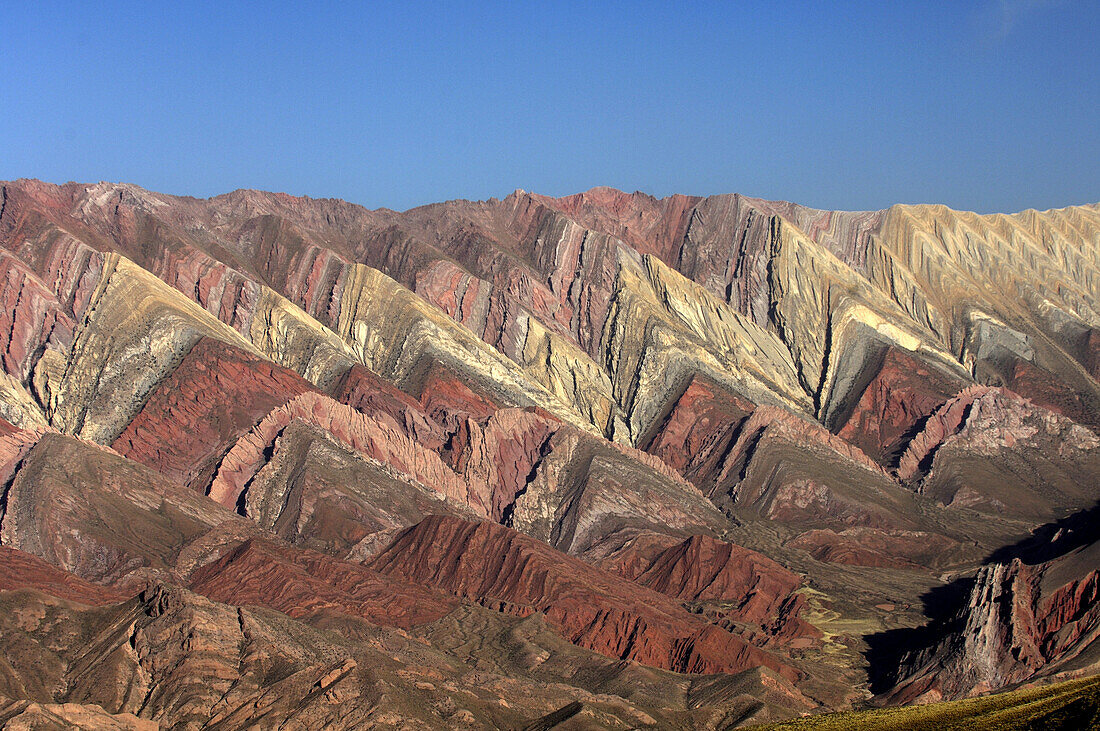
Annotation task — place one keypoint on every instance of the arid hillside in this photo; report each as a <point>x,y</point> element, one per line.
<point>602,461</point>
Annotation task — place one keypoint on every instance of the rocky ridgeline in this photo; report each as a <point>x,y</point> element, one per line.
<point>677,462</point>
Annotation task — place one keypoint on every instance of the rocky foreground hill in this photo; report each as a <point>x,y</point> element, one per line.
<point>595,461</point>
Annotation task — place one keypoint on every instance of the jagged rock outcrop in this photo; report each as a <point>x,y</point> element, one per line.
<point>1020,621</point>
<point>501,455</point>
<point>373,439</point>
<point>585,489</point>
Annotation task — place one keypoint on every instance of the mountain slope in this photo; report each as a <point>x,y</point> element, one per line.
<point>721,446</point>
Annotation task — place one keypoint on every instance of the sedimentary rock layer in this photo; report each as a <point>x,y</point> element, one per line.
<point>703,455</point>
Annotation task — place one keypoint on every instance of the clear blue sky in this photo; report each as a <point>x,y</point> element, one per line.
<point>985,105</point>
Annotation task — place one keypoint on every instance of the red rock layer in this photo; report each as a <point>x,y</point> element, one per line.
<point>750,586</point>
<point>703,568</point>
<point>992,418</point>
<point>1069,615</point>
<point>19,570</point>
<point>14,446</point>
<point>499,458</point>
<point>367,392</point>
<point>498,567</point>
<point>215,395</point>
<point>373,439</point>
<point>650,225</point>
<point>945,422</point>
<point>628,552</point>
<point>485,466</point>
<point>6,428</point>
<point>109,520</point>
<point>454,290</point>
<point>1050,391</point>
<point>903,392</point>
<point>796,472</point>
<point>30,317</point>
<point>448,399</point>
<point>301,583</point>
<point>491,308</point>
<point>994,451</point>
<point>1091,353</point>
<point>699,429</point>
<point>899,549</point>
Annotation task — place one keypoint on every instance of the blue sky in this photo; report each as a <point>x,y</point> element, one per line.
<point>991,105</point>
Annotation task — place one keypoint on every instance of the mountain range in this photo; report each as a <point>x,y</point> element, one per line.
<point>600,461</point>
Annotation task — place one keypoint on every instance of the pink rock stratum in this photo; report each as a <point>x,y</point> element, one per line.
<point>604,460</point>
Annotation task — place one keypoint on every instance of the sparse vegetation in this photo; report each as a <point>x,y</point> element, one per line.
<point>1073,704</point>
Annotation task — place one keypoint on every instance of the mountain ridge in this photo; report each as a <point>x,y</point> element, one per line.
<point>218,395</point>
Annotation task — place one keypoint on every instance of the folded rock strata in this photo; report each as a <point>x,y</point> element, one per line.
<point>709,448</point>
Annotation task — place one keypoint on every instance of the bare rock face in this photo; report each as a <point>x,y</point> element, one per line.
<point>95,514</point>
<point>447,399</point>
<point>374,439</point>
<point>900,396</point>
<point>315,491</point>
<point>794,471</point>
<point>171,658</point>
<point>19,570</point>
<point>33,316</point>
<point>699,430</point>
<point>501,455</point>
<point>603,460</point>
<point>991,450</point>
<point>733,583</point>
<point>650,225</point>
<point>366,391</point>
<point>500,568</point>
<point>303,583</point>
<point>585,490</point>
<point>1021,620</point>
<point>946,422</point>
<point>215,395</point>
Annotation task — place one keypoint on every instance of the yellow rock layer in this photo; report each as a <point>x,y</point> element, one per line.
<point>819,304</point>
<point>287,335</point>
<point>135,331</point>
<point>390,329</point>
<point>661,328</point>
<point>940,264</point>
